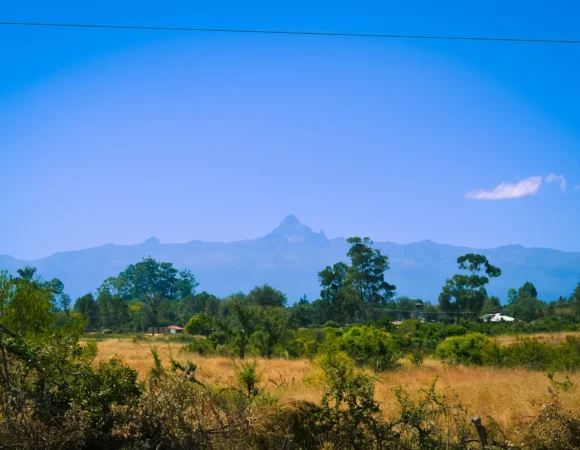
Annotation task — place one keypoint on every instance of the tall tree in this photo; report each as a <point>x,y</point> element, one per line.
<point>243,320</point>
<point>526,305</point>
<point>406,308</point>
<point>491,305</point>
<point>274,323</point>
<point>528,290</point>
<point>186,284</point>
<point>302,313</point>
<point>113,310</point>
<point>87,306</point>
<point>26,274</point>
<point>266,295</point>
<point>25,305</point>
<point>466,293</point>
<point>332,295</point>
<point>366,274</point>
<point>154,283</point>
<point>192,305</point>
<point>512,295</point>
<point>360,287</point>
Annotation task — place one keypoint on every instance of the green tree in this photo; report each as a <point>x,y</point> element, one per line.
<point>243,320</point>
<point>527,309</point>
<point>113,310</point>
<point>466,292</point>
<point>526,305</point>
<point>27,274</point>
<point>87,306</point>
<point>434,313</point>
<point>302,313</point>
<point>191,305</point>
<point>527,290</point>
<point>25,305</point>
<point>201,324</point>
<point>274,324</point>
<point>154,283</point>
<point>491,305</point>
<point>186,284</point>
<point>366,274</point>
<point>512,295</point>
<point>406,308</point>
<point>266,295</point>
<point>332,281</point>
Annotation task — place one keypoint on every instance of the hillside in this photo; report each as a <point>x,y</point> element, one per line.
<point>290,257</point>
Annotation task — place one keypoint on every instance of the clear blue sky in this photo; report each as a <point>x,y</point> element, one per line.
<point>115,136</point>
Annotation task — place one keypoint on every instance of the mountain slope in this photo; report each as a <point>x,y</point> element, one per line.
<point>290,257</point>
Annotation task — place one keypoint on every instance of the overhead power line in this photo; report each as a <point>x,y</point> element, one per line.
<point>296,33</point>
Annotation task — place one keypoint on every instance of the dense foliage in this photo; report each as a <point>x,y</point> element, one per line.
<point>53,396</point>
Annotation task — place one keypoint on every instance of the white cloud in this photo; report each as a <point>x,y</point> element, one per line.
<point>529,186</point>
<point>557,178</point>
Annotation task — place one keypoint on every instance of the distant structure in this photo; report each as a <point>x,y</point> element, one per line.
<point>171,329</point>
<point>497,317</point>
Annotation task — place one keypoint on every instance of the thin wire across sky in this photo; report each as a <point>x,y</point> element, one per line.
<point>296,33</point>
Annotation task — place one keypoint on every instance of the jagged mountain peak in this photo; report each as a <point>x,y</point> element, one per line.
<point>151,241</point>
<point>292,230</point>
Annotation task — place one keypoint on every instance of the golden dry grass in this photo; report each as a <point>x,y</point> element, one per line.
<point>549,338</point>
<point>503,394</point>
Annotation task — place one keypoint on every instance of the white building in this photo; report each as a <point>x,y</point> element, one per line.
<point>497,317</point>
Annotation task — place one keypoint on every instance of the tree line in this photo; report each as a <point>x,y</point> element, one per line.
<point>152,294</point>
<point>53,396</point>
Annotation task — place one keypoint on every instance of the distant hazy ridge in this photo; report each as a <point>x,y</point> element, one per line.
<point>290,257</point>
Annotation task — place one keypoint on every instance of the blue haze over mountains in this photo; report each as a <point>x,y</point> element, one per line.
<point>290,257</point>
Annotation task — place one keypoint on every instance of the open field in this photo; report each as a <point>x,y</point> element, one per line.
<point>504,394</point>
<point>549,338</point>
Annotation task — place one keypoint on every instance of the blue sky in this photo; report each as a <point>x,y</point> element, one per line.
<point>115,136</point>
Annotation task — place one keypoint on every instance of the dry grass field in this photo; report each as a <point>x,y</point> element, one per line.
<point>550,338</point>
<point>503,394</point>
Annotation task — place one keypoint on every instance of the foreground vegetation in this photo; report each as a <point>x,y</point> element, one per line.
<point>253,373</point>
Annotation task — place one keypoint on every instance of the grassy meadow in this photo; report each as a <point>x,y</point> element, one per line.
<point>504,394</point>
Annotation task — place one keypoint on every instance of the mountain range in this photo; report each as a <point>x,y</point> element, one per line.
<point>290,257</point>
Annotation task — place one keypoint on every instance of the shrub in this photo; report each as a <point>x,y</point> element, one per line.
<point>529,354</point>
<point>200,324</point>
<point>348,416</point>
<point>97,391</point>
<point>416,356</point>
<point>248,378</point>
<point>201,346</point>
<point>371,347</point>
<point>471,349</point>
<point>219,337</point>
<point>533,355</point>
<point>569,353</point>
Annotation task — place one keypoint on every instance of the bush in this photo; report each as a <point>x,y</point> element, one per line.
<point>96,392</point>
<point>529,354</point>
<point>248,378</point>
<point>533,355</point>
<point>471,349</point>
<point>370,347</point>
<point>200,324</point>
<point>201,346</point>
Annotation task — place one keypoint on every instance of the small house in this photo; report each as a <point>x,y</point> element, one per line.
<point>171,329</point>
<point>174,329</point>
